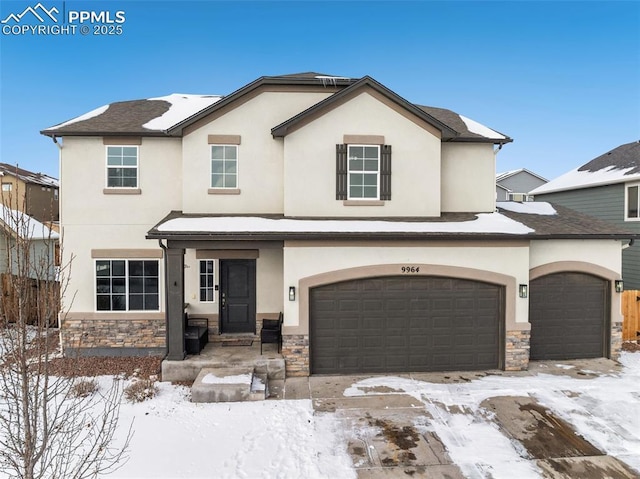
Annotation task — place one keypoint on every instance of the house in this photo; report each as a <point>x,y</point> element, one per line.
<point>35,194</point>
<point>368,220</point>
<point>28,253</point>
<point>515,185</point>
<point>606,187</point>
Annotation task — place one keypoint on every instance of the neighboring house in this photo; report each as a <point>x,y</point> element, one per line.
<point>369,221</point>
<point>35,194</point>
<point>607,187</point>
<point>28,251</point>
<point>515,185</point>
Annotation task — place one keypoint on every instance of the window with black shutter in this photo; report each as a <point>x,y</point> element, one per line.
<point>363,172</point>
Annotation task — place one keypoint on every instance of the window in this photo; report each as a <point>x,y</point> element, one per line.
<point>224,166</point>
<point>127,285</point>
<point>206,281</point>
<point>633,202</point>
<point>122,166</point>
<point>363,172</point>
<point>6,186</point>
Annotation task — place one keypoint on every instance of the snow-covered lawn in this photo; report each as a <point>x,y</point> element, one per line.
<point>174,438</point>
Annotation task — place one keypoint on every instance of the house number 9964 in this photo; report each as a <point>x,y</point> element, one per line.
<point>410,269</point>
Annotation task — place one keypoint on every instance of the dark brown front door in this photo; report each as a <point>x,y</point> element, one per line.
<point>238,296</point>
<point>405,324</point>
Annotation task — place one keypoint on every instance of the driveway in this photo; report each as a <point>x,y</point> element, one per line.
<point>569,419</point>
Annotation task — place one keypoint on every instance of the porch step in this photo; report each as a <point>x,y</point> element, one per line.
<point>231,384</point>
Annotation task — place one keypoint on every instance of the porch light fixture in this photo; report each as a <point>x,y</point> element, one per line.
<point>292,293</point>
<point>523,290</point>
<point>619,286</point>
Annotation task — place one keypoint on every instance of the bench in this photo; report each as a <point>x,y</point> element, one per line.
<point>196,334</point>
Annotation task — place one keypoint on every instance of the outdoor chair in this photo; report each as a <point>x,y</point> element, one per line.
<point>271,332</point>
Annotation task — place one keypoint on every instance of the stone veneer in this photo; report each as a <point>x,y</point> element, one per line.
<point>113,333</point>
<point>516,355</point>
<point>616,340</point>
<point>295,350</point>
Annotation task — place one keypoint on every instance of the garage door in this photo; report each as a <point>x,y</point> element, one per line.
<point>568,315</point>
<point>403,324</point>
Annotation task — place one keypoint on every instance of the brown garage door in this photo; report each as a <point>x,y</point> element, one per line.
<point>568,316</point>
<point>401,323</point>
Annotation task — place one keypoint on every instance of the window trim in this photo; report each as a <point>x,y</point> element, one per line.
<point>213,286</point>
<point>628,186</point>
<point>224,189</point>
<point>126,293</point>
<point>122,189</point>
<point>9,188</point>
<point>378,173</point>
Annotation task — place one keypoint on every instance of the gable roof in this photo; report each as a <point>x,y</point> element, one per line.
<point>619,165</point>
<point>171,114</point>
<point>28,176</point>
<point>329,103</point>
<point>509,174</point>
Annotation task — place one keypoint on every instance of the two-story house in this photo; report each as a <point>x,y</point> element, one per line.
<point>515,185</point>
<point>35,194</point>
<point>369,221</point>
<point>606,187</point>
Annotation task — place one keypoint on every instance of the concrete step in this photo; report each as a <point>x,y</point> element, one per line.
<point>230,384</point>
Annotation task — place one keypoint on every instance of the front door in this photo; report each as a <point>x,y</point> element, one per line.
<point>238,296</point>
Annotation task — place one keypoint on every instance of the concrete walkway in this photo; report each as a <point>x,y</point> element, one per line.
<point>383,439</point>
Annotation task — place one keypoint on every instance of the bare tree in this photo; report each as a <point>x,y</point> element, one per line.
<point>47,430</point>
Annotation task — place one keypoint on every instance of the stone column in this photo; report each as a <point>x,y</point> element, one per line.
<point>175,304</point>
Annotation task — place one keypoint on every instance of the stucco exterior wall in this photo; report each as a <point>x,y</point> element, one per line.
<point>468,178</point>
<point>511,260</point>
<point>94,220</point>
<point>310,162</point>
<point>260,167</point>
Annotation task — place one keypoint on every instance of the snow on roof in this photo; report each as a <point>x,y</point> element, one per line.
<point>25,226</point>
<point>93,113</point>
<point>28,176</point>
<point>480,129</point>
<point>528,207</point>
<point>183,106</point>
<point>587,179</point>
<point>485,223</point>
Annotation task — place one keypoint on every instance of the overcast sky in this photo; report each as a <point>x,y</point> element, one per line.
<point>561,78</point>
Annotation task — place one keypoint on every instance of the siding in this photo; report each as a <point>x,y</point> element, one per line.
<point>606,203</point>
<point>522,182</point>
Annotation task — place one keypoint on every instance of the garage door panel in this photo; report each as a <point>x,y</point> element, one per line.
<point>406,323</point>
<point>569,316</point>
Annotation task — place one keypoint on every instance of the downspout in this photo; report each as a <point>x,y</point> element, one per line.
<point>166,299</point>
<point>625,246</point>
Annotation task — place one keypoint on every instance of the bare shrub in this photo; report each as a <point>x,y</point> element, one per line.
<point>84,388</point>
<point>140,390</point>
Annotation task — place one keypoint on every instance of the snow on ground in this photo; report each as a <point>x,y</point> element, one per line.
<point>285,439</point>
<point>604,410</point>
<point>175,438</point>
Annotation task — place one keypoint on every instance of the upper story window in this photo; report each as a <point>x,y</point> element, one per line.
<point>122,166</point>
<point>127,285</point>
<point>363,172</point>
<point>632,202</point>
<point>224,166</point>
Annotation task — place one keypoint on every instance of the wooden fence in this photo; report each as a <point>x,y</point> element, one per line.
<point>42,299</point>
<point>631,313</point>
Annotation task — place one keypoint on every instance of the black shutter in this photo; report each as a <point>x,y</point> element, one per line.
<point>341,172</point>
<point>385,172</point>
